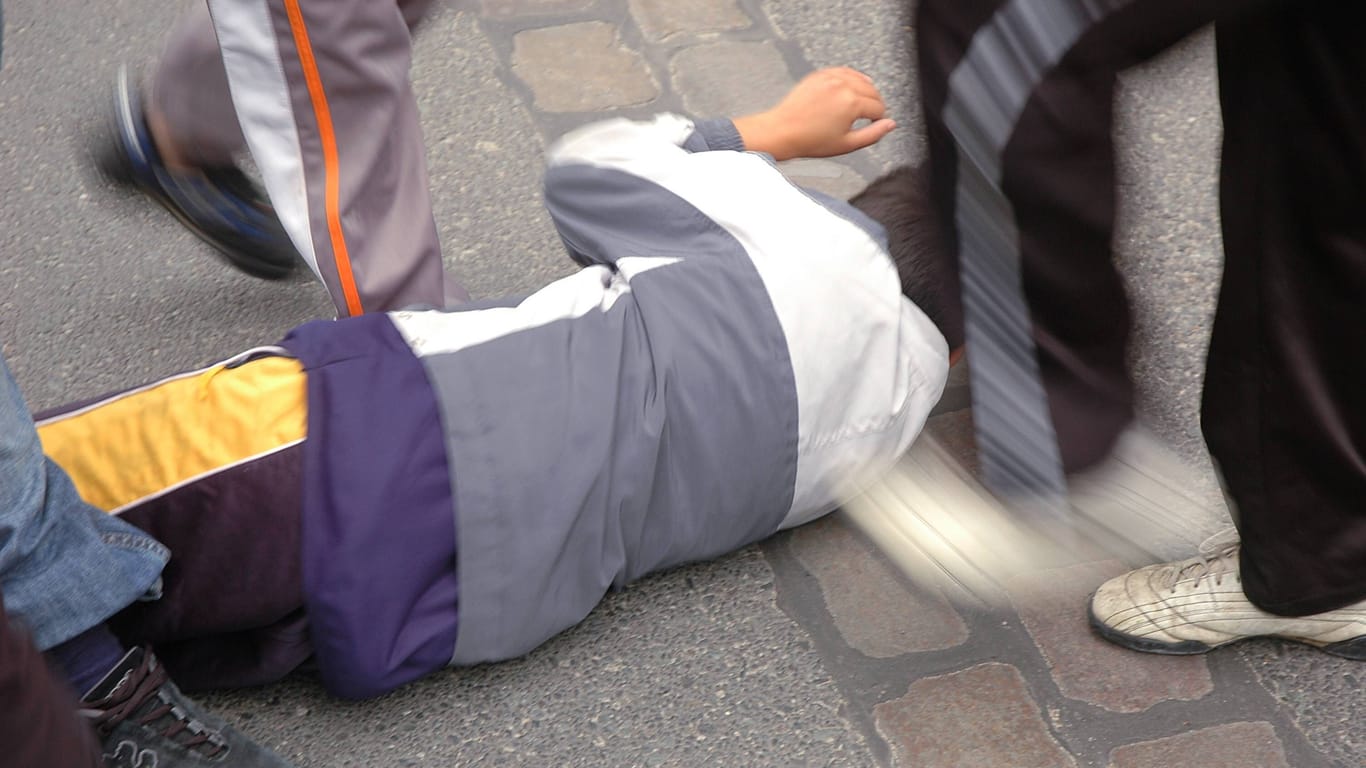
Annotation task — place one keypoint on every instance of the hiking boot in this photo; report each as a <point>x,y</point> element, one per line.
<point>1194,605</point>
<point>144,721</point>
<point>220,205</point>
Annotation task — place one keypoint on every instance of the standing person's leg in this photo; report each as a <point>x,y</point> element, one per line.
<point>323,93</point>
<point>180,147</point>
<point>65,567</point>
<point>1281,406</point>
<point>1283,410</point>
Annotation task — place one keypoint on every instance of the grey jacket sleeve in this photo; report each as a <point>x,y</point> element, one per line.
<point>712,135</point>
<point>598,197</point>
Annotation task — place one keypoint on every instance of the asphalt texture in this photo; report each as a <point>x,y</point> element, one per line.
<point>806,650</point>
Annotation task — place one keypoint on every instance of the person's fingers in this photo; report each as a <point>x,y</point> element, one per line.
<point>869,134</point>
<point>866,108</point>
<point>862,85</point>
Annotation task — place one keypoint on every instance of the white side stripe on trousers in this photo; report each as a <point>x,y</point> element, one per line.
<point>260,94</point>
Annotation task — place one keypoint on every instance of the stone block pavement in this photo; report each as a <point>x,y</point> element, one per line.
<point>925,683</point>
<point>811,648</point>
<point>921,682</point>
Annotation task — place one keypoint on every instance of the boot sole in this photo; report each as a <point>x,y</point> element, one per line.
<point>1354,649</point>
<point>1135,643</point>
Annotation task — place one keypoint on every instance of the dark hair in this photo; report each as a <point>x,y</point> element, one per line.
<point>900,201</point>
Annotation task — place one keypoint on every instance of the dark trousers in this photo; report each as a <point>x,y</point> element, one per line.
<point>39,727</point>
<point>1284,409</point>
<point>232,610</point>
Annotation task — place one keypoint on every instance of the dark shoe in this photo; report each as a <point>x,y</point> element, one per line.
<point>144,721</point>
<point>220,205</point>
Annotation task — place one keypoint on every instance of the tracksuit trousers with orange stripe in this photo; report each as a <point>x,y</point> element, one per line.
<point>1018,99</point>
<point>319,90</point>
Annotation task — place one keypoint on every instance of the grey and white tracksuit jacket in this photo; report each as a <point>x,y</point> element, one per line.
<point>734,358</point>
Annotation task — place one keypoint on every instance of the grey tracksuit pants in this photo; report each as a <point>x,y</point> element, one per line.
<point>320,93</point>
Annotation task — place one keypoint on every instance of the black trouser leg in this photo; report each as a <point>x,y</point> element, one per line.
<point>1284,409</point>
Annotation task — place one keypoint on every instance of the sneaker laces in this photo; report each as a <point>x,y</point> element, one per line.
<point>1218,557</point>
<point>141,695</point>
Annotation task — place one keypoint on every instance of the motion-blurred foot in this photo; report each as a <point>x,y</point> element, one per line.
<point>220,205</point>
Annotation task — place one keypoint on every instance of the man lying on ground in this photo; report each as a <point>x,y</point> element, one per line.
<point>394,493</point>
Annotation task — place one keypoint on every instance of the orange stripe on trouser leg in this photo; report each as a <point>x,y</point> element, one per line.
<point>331,176</point>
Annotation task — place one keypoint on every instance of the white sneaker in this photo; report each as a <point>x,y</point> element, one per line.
<point>1194,605</point>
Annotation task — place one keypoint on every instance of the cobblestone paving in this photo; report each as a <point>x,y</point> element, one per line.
<point>928,685</point>
<point>923,682</point>
<point>810,649</point>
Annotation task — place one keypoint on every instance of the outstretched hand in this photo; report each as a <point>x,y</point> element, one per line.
<point>816,118</point>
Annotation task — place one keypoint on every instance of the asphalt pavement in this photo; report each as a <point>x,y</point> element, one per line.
<point>809,649</point>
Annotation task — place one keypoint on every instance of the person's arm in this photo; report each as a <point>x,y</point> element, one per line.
<point>613,185</point>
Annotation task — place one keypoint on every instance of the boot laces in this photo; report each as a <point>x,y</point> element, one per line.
<point>141,698</point>
<point>1218,557</point>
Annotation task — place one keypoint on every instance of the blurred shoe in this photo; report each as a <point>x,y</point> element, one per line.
<point>144,721</point>
<point>1195,605</point>
<point>220,205</point>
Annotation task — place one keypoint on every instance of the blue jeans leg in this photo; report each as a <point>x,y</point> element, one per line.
<point>64,565</point>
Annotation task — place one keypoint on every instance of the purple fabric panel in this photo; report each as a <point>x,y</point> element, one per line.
<point>233,579</point>
<point>379,548</point>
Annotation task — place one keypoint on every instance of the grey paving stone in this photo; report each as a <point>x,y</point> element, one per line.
<point>954,432</point>
<point>873,38</point>
<point>1236,745</point>
<point>663,19</point>
<point>873,611</point>
<point>1168,241</point>
<point>503,9</point>
<point>1322,693</point>
<point>981,716</point>
<point>695,667</point>
<point>1052,605</point>
<point>828,176</point>
<point>705,76</point>
<point>581,67</point>
<point>958,375</point>
<point>957,394</point>
<point>485,174</point>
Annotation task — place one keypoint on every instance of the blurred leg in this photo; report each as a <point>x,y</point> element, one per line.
<point>1017,99</point>
<point>188,101</point>
<point>323,93</point>
<point>189,88</point>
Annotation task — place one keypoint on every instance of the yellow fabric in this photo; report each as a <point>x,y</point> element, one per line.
<point>143,443</point>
